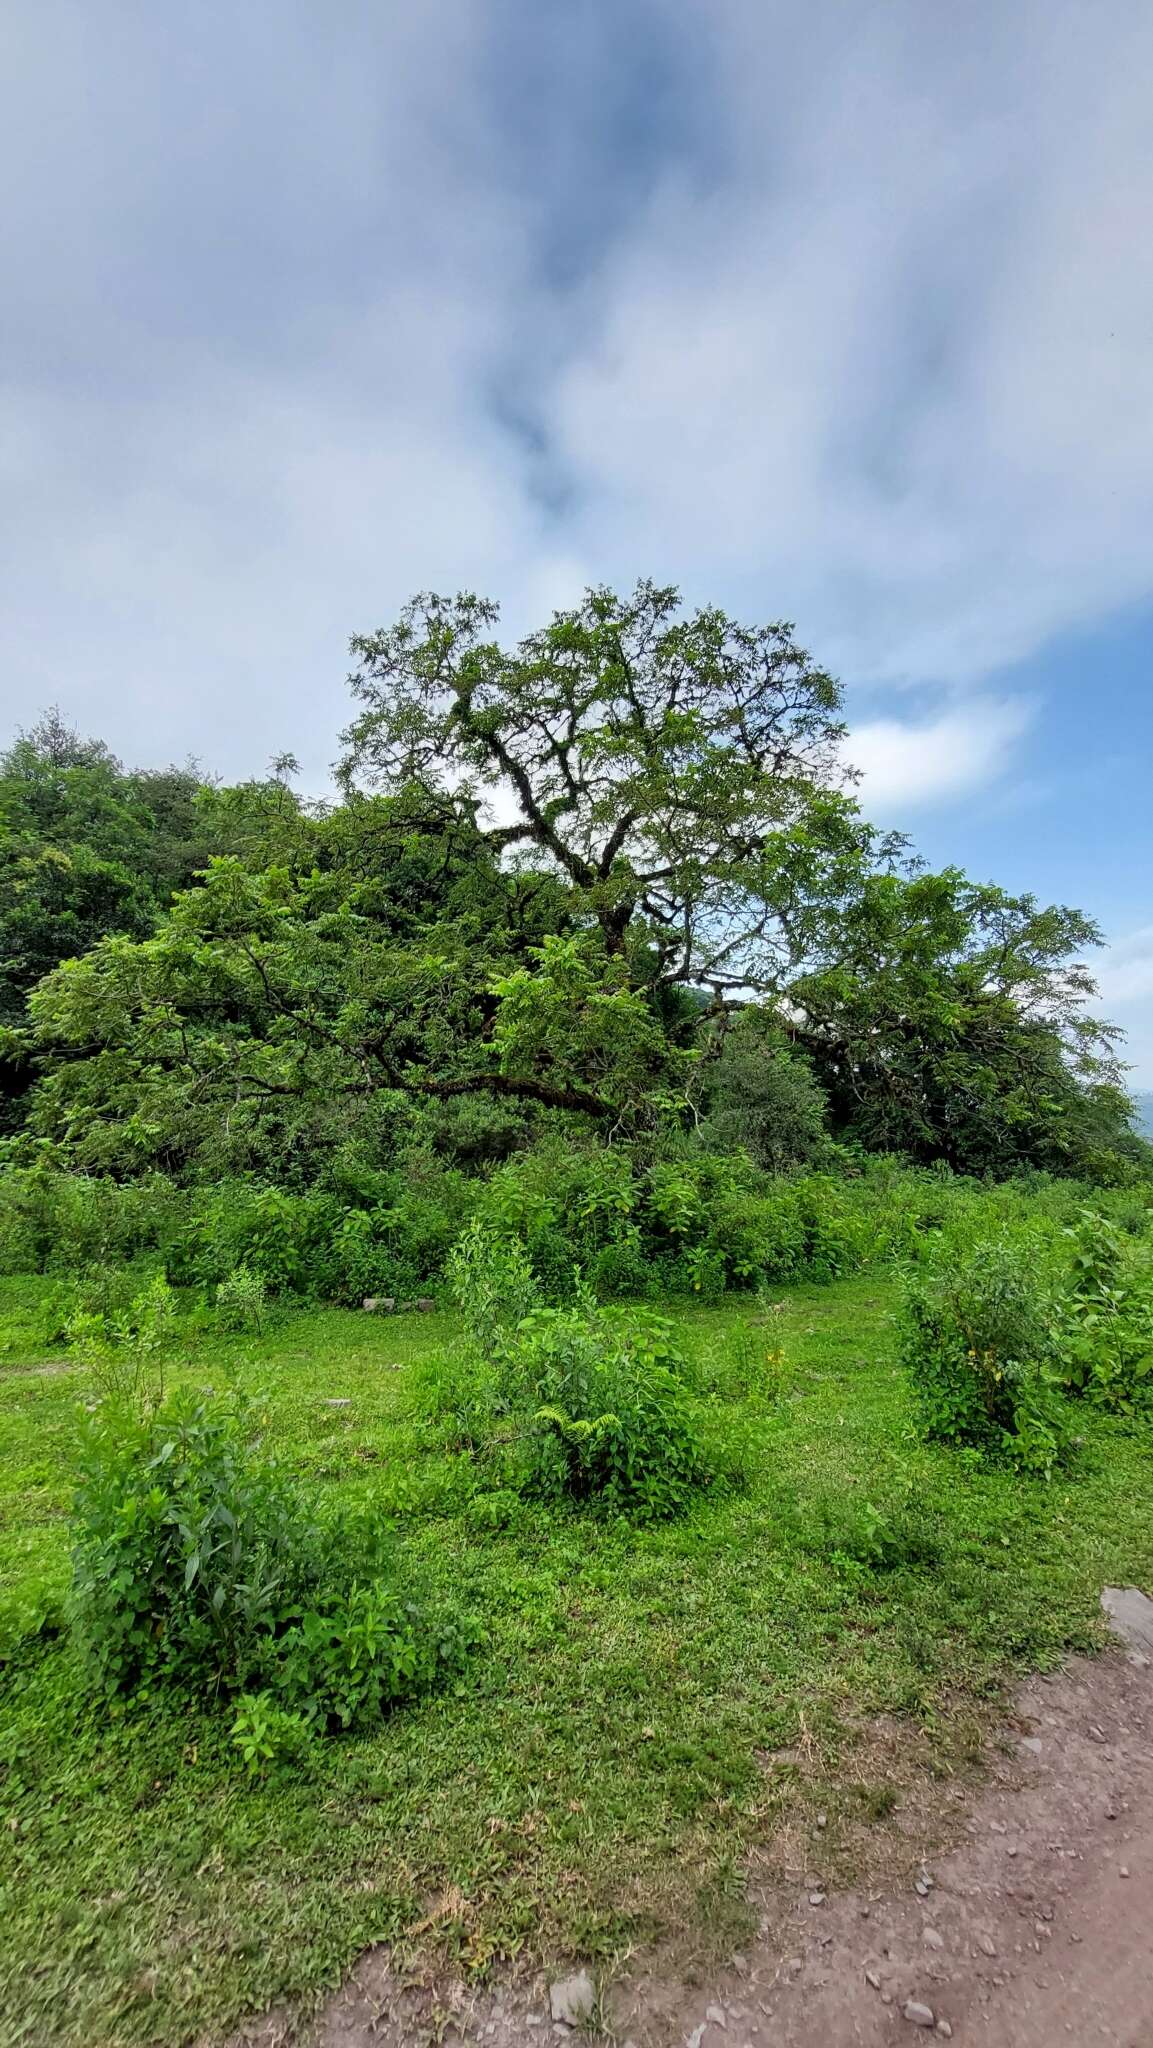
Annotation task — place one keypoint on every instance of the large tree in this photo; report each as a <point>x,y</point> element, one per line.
<point>589,856</point>
<point>951,1020</point>
<point>682,772</point>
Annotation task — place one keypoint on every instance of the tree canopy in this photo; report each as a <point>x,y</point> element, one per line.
<point>613,878</point>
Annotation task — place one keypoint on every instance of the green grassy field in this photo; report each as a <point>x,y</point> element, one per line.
<point>597,1776</point>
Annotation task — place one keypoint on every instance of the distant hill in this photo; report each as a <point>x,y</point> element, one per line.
<point>1145,1112</point>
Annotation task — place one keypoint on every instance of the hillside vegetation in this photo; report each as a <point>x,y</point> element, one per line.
<point>537,1300</point>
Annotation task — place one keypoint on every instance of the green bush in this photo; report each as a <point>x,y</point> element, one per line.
<point>242,1301</point>
<point>978,1341</point>
<point>196,1563</point>
<point>1106,1328</point>
<point>606,1414</point>
<point>493,1287</point>
<point>57,1222</point>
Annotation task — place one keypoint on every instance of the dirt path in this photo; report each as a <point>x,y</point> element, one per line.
<point>1037,1929</point>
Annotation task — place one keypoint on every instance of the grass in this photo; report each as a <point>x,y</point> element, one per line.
<point>597,1777</point>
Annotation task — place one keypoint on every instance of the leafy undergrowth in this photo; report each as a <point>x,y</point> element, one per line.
<point>594,1775</point>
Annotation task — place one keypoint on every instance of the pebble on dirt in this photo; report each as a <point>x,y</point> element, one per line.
<point>917,2014</point>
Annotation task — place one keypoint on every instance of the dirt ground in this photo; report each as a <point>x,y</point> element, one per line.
<point>1037,1928</point>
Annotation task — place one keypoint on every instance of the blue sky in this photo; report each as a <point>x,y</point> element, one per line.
<point>838,314</point>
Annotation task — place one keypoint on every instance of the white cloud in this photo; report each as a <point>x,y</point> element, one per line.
<point>873,353</point>
<point>1127,976</point>
<point>904,766</point>
<point>1125,980</point>
<point>899,371</point>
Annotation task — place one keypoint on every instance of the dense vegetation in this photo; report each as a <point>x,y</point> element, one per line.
<point>596,1013</point>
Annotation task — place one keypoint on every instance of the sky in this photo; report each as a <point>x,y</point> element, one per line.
<point>835,313</point>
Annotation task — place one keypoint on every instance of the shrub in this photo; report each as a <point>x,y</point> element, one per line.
<point>242,1301</point>
<point>123,1346</point>
<point>197,1563</point>
<point>1106,1329</point>
<point>493,1286</point>
<point>978,1341</point>
<point>607,1417</point>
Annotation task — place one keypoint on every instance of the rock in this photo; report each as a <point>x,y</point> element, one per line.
<point>932,1939</point>
<point>816,1898</point>
<point>918,2015</point>
<point>921,1888</point>
<point>1031,1743</point>
<point>987,1945</point>
<point>1130,1615</point>
<point>822,1820</point>
<point>573,1999</point>
<point>945,2030</point>
<point>341,1402</point>
<point>1124,1870</point>
<point>378,1304</point>
<point>426,1305</point>
<point>405,1308</point>
<point>716,2016</point>
<point>872,1979</point>
<point>694,2039</point>
<point>739,1963</point>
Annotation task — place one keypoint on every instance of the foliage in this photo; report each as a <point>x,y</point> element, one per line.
<point>949,1022</point>
<point>585,1783</point>
<point>242,1300</point>
<point>760,1096</point>
<point>978,1341</point>
<point>687,937</point>
<point>268,1736</point>
<point>196,1563</point>
<point>603,1411</point>
<point>493,1286</point>
<point>1106,1333</point>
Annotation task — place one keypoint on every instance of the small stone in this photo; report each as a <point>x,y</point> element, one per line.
<point>822,1820</point>
<point>921,1888</point>
<point>1032,1743</point>
<point>945,2030</point>
<point>987,1945</point>
<point>1013,1849</point>
<point>795,1964</point>
<point>426,1305</point>
<point>345,1403</point>
<point>997,1827</point>
<point>1130,1615</point>
<point>918,2015</point>
<point>816,1898</point>
<point>572,1999</point>
<point>872,1978</point>
<point>1097,1734</point>
<point>1124,1870</point>
<point>932,1939</point>
<point>739,1963</point>
<point>865,1912</point>
<point>694,2039</point>
<point>716,2016</point>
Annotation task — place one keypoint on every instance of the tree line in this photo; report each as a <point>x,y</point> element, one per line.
<point>612,880</point>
